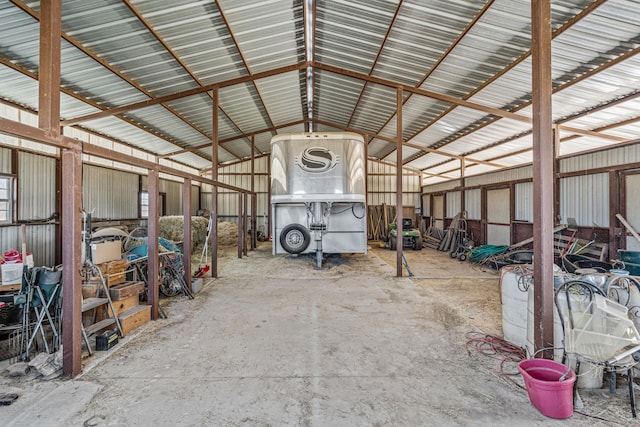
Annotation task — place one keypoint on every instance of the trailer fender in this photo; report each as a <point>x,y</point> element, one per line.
<point>294,238</point>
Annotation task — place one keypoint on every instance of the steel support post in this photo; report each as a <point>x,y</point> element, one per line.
<point>71,261</point>
<point>186,243</point>
<point>153,260</point>
<point>214,189</point>
<point>543,177</point>
<point>399,182</point>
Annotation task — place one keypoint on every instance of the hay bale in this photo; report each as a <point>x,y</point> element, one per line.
<point>172,228</point>
<point>227,233</point>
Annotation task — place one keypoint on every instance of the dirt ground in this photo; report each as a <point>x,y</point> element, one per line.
<point>275,341</point>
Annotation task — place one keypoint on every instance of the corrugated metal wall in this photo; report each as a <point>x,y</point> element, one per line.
<point>173,196</point>
<point>5,159</point>
<point>109,194</point>
<point>239,175</point>
<point>441,187</point>
<point>36,186</point>
<point>36,202</point>
<point>515,174</point>
<point>454,203</point>
<point>524,201</point>
<point>585,198</point>
<point>602,159</point>
<point>381,186</point>
<point>473,203</point>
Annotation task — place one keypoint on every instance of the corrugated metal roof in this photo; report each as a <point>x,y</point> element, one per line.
<point>117,53</point>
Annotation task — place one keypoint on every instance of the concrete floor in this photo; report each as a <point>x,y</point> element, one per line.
<point>275,342</point>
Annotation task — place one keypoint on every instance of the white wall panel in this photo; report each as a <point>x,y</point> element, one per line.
<point>5,159</point>
<point>524,201</point>
<point>602,159</point>
<point>515,174</point>
<point>454,203</point>
<point>109,193</point>
<point>472,203</point>
<point>585,198</point>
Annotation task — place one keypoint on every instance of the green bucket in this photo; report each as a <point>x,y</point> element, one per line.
<point>631,261</point>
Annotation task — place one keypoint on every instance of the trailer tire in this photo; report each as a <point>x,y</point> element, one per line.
<point>294,238</point>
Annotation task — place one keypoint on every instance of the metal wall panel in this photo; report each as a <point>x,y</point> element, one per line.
<point>36,186</point>
<point>426,205</point>
<point>454,203</point>
<point>5,159</point>
<point>501,176</point>
<point>473,203</point>
<point>441,187</point>
<point>173,196</point>
<point>109,194</point>
<point>524,201</point>
<point>40,242</point>
<point>585,198</point>
<point>632,209</point>
<point>195,199</point>
<point>603,159</point>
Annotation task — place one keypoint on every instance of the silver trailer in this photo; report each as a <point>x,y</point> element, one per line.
<point>318,197</point>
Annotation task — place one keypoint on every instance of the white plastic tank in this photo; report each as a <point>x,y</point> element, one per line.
<point>514,298</point>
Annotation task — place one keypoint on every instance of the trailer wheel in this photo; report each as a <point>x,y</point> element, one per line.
<point>294,238</point>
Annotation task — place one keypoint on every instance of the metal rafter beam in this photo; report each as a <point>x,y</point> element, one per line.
<point>183,94</point>
<point>375,62</point>
<point>446,53</point>
<point>233,138</point>
<point>121,75</point>
<point>244,62</point>
<point>22,130</point>
<point>513,64</point>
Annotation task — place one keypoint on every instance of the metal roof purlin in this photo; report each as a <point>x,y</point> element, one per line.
<point>585,12</point>
<point>244,62</point>
<point>183,94</point>
<point>444,55</point>
<point>233,138</point>
<point>195,78</point>
<point>375,61</point>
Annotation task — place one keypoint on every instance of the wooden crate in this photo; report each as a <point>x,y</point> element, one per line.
<point>120,306</point>
<point>125,290</point>
<point>114,272</point>
<point>134,317</point>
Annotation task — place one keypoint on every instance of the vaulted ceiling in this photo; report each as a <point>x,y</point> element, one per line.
<point>142,72</point>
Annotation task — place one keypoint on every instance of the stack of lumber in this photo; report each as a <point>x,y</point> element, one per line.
<point>380,216</point>
<point>433,237</point>
<point>454,234</point>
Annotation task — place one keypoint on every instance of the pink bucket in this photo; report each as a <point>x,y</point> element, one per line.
<point>550,386</point>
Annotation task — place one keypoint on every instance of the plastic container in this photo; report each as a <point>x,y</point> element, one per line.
<point>631,261</point>
<point>549,385</point>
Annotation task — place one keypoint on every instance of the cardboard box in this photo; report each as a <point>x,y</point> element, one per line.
<point>12,273</point>
<point>106,251</point>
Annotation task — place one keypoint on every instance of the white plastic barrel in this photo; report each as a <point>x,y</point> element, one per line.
<point>514,305</point>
